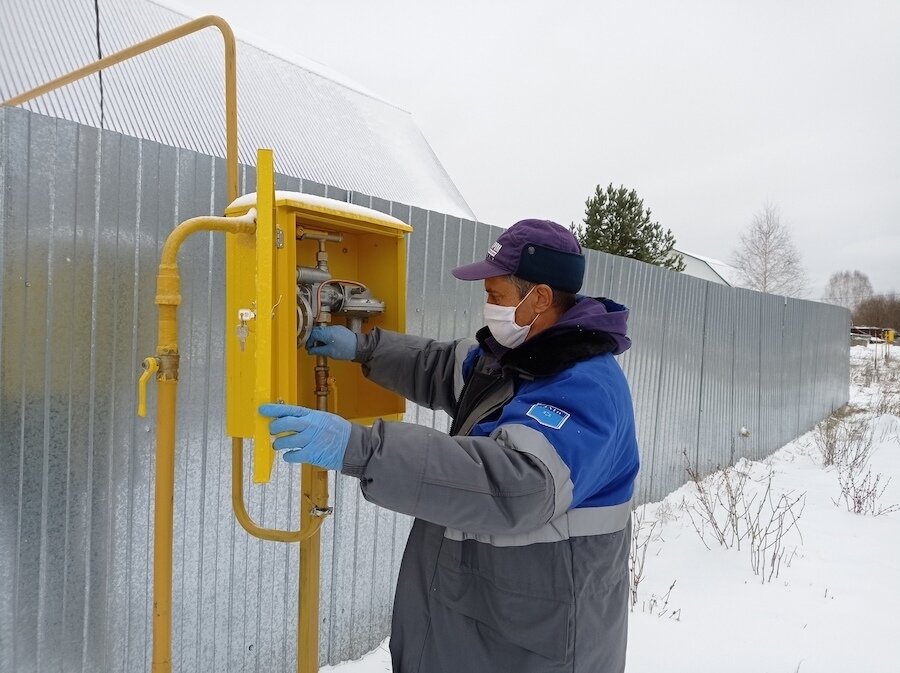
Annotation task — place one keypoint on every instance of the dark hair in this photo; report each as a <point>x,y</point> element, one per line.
<point>562,301</point>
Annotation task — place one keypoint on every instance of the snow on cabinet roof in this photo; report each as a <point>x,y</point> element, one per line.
<point>321,126</point>
<point>322,204</point>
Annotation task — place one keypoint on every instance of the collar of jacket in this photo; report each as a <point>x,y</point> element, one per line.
<point>549,352</point>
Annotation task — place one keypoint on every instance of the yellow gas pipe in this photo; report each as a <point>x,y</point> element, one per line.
<point>314,496</point>
<point>243,517</point>
<point>168,297</point>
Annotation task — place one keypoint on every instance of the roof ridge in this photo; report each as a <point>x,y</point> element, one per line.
<point>248,39</point>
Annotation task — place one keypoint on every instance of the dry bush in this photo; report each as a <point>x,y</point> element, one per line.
<point>734,515</point>
<point>641,534</point>
<point>847,411</point>
<point>881,368</point>
<point>861,489</point>
<point>659,605</point>
<point>847,443</point>
<point>665,512</point>
<point>826,439</point>
<point>886,403</point>
<point>767,525</point>
<point>719,508</point>
<point>864,375</point>
<point>838,433</point>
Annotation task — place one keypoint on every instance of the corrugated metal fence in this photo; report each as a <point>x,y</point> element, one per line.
<point>84,214</point>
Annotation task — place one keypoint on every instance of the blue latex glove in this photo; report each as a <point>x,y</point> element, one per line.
<point>317,437</point>
<point>335,342</point>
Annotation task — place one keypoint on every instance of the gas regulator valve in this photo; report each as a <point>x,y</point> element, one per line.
<point>319,298</point>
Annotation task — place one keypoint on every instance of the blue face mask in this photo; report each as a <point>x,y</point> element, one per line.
<point>502,322</point>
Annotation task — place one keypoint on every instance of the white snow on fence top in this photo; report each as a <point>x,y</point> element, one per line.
<point>321,203</point>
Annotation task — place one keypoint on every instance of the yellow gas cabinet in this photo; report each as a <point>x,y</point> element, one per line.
<point>312,261</point>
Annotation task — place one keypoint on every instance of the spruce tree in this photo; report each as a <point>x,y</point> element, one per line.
<point>616,222</point>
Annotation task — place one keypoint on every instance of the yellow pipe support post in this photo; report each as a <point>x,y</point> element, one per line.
<point>310,560</point>
<point>314,499</point>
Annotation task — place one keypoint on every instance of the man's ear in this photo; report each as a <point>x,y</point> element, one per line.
<point>543,298</point>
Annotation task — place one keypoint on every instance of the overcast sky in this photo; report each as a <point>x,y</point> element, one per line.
<point>708,109</point>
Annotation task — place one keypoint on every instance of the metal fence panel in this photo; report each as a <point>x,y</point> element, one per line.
<point>746,339</point>
<point>642,287</point>
<point>678,406</point>
<point>84,214</point>
<point>792,350</point>
<point>771,383</point>
<point>717,432</point>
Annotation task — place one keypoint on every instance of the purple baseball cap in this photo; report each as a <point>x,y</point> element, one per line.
<point>539,251</point>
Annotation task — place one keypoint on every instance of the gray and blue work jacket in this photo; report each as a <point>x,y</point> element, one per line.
<point>518,558</point>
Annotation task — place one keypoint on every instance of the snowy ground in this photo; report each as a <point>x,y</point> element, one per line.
<point>826,587</point>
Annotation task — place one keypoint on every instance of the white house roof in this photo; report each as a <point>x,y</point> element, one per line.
<point>712,269</point>
<point>321,126</point>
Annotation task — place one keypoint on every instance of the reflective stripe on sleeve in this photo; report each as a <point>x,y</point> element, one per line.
<point>528,440</point>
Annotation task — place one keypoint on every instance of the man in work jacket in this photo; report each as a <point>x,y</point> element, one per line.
<point>518,557</point>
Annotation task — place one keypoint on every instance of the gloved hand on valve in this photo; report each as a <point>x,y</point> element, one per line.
<point>315,437</point>
<point>335,342</point>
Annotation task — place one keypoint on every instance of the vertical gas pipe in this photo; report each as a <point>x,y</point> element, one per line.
<point>168,297</point>
<point>314,483</point>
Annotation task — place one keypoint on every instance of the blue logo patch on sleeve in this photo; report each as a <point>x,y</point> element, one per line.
<point>548,416</point>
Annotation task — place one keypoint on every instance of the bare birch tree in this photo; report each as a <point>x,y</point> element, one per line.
<point>767,257</point>
<point>848,289</point>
